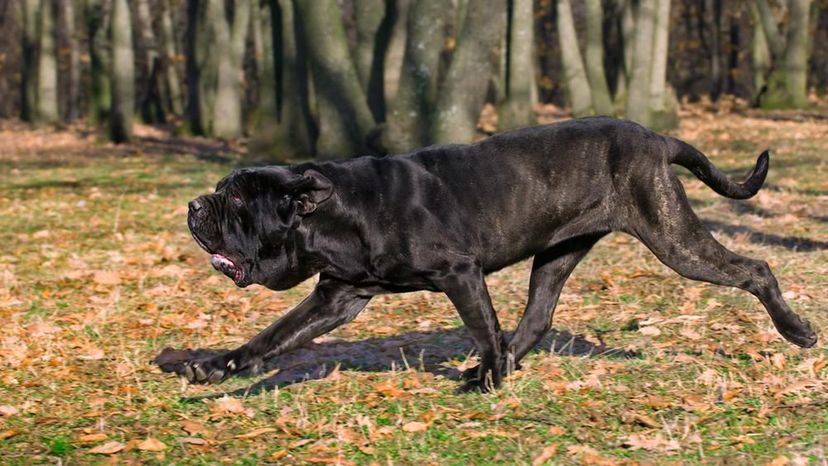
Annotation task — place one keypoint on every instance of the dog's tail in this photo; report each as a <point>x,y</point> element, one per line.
<point>689,157</point>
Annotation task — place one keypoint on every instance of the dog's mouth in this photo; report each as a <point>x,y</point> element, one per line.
<point>228,267</point>
<point>223,263</point>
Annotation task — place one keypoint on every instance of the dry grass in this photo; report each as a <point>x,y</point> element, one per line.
<point>98,274</point>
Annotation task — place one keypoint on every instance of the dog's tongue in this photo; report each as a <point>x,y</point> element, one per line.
<point>224,265</point>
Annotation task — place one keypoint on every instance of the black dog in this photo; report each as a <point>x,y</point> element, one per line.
<point>442,218</point>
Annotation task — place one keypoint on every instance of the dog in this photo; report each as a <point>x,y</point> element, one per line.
<point>443,217</point>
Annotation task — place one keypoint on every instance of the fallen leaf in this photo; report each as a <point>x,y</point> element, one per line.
<point>193,428</point>
<point>278,454</point>
<point>655,443</point>
<point>780,460</point>
<point>650,331</point>
<point>108,448</point>
<point>107,277</point>
<point>256,432</point>
<point>152,444</point>
<point>556,430</point>
<point>90,438</point>
<point>193,440</point>
<point>227,405</point>
<point>336,460</point>
<point>545,454</point>
<point>7,410</point>
<point>415,426</point>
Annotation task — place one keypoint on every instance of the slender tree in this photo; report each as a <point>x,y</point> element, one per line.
<point>283,129</point>
<point>230,35</point>
<point>74,76</point>
<point>97,14</point>
<point>575,76</point>
<point>475,58</point>
<point>172,88</point>
<point>28,82</point>
<point>786,83</point>
<point>408,116</point>
<point>343,115</point>
<point>516,109</point>
<point>149,93</point>
<point>594,58</point>
<point>47,66</point>
<point>122,74</point>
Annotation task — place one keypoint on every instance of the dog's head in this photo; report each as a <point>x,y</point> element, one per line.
<point>247,224</point>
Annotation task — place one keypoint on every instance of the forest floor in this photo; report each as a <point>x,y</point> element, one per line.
<point>98,274</point>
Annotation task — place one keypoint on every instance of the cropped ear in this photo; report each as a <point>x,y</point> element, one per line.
<point>310,190</point>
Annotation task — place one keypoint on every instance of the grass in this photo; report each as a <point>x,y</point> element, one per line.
<point>98,274</point>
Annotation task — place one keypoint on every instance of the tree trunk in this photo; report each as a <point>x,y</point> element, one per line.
<point>28,88</point>
<point>396,49</point>
<point>638,92</point>
<point>47,67</point>
<point>760,55</point>
<point>796,53</point>
<point>407,123</point>
<point>97,14</point>
<point>575,76</point>
<point>344,117</point>
<point>786,85</point>
<point>374,23</point>
<point>170,58</point>
<point>149,102</point>
<point>628,13</point>
<point>464,90</point>
<point>73,99</point>
<point>283,131</point>
<point>594,54</point>
<point>516,110</point>
<point>715,8</point>
<point>123,74</point>
<point>663,102</point>
<point>229,46</point>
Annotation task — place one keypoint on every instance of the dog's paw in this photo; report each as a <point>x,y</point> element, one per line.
<point>199,366</point>
<point>472,372</point>
<point>802,335</point>
<point>213,370</point>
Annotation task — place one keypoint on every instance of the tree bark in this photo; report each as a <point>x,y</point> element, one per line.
<point>172,79</point>
<point>230,39</point>
<point>149,102</point>
<point>97,14</point>
<point>283,131</point>
<point>516,110</point>
<point>663,103</point>
<point>123,74</point>
<point>47,72</point>
<point>575,74</point>
<point>407,120</point>
<point>715,8</point>
<point>638,93</point>
<point>344,117</point>
<point>28,88</point>
<point>594,55</point>
<point>786,84</point>
<point>73,98</point>
<point>475,58</point>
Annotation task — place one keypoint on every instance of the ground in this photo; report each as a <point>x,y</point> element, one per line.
<point>98,274</point>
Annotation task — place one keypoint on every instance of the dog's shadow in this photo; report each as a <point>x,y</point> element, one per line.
<point>432,351</point>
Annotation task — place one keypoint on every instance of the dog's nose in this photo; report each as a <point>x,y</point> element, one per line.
<point>195,205</point>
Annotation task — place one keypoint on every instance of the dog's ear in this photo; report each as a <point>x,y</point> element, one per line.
<point>310,190</point>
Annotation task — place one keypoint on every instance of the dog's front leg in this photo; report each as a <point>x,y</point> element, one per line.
<point>331,304</point>
<point>465,287</point>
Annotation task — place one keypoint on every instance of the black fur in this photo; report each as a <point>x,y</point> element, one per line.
<point>441,218</point>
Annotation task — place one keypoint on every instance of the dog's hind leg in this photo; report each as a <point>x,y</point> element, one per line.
<point>550,269</point>
<point>673,232</point>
